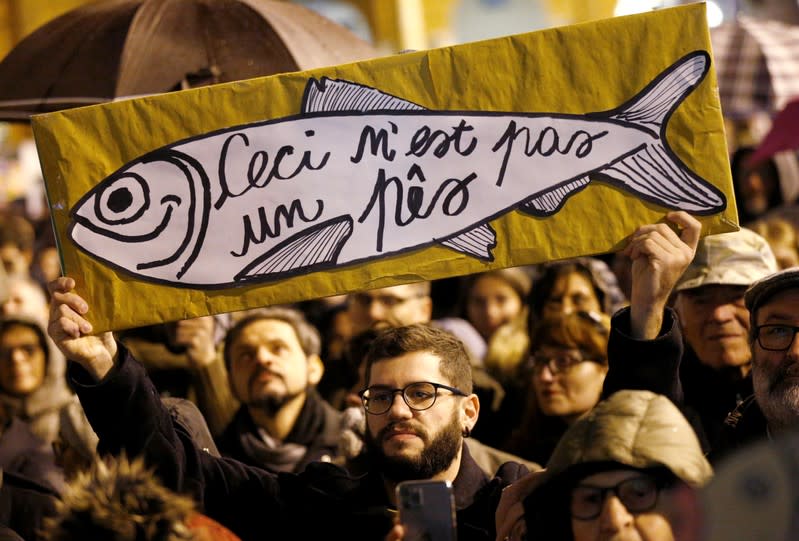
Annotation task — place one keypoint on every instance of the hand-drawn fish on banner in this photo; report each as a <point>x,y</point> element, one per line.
<point>360,175</point>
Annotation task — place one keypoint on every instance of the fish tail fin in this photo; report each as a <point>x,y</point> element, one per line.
<point>656,174</point>
<point>652,107</point>
<point>652,170</point>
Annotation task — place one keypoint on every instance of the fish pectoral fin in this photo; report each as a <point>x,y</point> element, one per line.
<point>477,242</point>
<point>654,173</point>
<point>318,246</point>
<point>324,95</point>
<point>551,201</point>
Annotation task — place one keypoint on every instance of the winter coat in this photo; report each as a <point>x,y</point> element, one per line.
<point>24,454</point>
<point>24,505</point>
<point>321,502</point>
<point>706,397</point>
<point>630,429</point>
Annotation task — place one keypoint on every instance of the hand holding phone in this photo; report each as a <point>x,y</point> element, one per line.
<point>427,510</point>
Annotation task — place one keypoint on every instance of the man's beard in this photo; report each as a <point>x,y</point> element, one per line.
<point>778,397</point>
<point>271,401</point>
<point>436,456</point>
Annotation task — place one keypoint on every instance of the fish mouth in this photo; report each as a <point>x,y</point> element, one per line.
<point>86,223</point>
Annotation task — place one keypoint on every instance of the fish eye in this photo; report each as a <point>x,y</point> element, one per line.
<point>124,200</point>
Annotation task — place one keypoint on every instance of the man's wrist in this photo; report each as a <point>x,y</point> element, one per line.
<point>646,322</point>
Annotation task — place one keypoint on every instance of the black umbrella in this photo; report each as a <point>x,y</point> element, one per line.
<point>117,48</point>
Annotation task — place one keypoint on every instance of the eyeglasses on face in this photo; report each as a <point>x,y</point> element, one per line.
<point>638,494</point>
<point>556,363</point>
<point>419,396</point>
<point>775,337</point>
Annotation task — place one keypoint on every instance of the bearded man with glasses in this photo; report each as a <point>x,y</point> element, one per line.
<point>772,304</point>
<point>419,401</point>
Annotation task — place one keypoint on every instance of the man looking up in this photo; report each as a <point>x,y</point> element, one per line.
<point>272,357</point>
<point>406,421</point>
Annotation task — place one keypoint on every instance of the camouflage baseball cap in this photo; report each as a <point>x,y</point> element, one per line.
<point>734,259</point>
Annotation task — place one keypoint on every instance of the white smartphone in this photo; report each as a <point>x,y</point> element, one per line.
<point>427,510</point>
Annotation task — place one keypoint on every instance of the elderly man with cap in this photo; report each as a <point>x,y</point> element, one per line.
<point>702,362</point>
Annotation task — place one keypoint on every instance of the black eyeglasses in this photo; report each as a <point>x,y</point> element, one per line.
<point>638,494</point>
<point>775,337</point>
<point>556,363</point>
<point>419,396</point>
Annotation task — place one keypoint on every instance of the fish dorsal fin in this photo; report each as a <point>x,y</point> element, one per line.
<point>653,105</point>
<point>551,201</point>
<point>477,242</point>
<point>326,95</point>
<point>317,246</point>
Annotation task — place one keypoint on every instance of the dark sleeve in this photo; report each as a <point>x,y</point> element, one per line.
<point>651,365</point>
<point>127,414</point>
<point>24,506</point>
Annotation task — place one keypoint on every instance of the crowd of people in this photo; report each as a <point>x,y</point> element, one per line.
<point>587,399</point>
<point>591,395</point>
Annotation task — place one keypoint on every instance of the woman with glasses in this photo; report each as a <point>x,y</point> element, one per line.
<point>564,374</point>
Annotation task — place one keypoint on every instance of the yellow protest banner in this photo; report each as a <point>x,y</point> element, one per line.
<point>418,166</point>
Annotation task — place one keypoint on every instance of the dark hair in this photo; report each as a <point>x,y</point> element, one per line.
<point>550,274</point>
<point>515,277</point>
<point>307,335</point>
<point>17,230</point>
<point>740,169</point>
<point>586,331</point>
<point>537,434</point>
<point>455,364</point>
